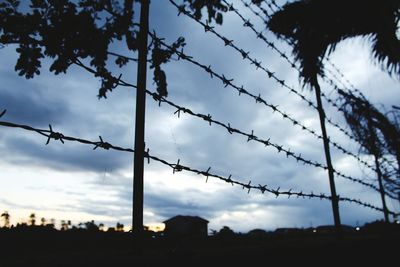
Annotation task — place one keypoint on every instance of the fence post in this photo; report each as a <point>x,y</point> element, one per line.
<point>335,199</point>
<point>376,154</point>
<point>137,215</point>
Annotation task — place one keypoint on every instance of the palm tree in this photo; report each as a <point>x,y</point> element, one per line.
<point>119,227</point>
<point>375,133</point>
<point>32,219</point>
<point>314,28</point>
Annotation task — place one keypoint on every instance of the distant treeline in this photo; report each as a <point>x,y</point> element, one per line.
<point>33,222</point>
<point>64,225</point>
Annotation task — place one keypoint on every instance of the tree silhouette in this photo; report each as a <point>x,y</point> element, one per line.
<point>316,27</point>
<point>6,217</point>
<point>215,9</point>
<point>67,31</point>
<point>65,225</point>
<point>91,226</point>
<point>376,133</point>
<point>119,227</point>
<point>52,223</point>
<point>32,219</point>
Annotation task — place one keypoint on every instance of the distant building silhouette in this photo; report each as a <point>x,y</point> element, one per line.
<point>186,226</point>
<point>257,233</point>
<point>287,231</point>
<point>330,229</point>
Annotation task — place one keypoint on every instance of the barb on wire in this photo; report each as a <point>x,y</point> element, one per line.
<point>54,135</point>
<point>102,144</point>
<point>178,167</point>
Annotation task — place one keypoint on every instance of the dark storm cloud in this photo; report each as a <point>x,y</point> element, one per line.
<point>65,157</point>
<point>29,105</point>
<point>30,207</point>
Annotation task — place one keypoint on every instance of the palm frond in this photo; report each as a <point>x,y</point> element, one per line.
<point>315,27</point>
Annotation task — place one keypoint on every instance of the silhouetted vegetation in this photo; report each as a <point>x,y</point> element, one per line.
<point>69,32</point>
<point>73,32</point>
<point>377,134</point>
<point>85,244</point>
<point>315,28</point>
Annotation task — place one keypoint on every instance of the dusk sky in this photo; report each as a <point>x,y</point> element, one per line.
<point>74,182</point>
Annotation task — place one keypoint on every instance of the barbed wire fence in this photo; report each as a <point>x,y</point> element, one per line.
<point>258,65</point>
<point>231,130</point>
<point>50,134</point>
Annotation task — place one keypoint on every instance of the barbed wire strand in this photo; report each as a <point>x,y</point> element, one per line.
<point>293,65</point>
<point>258,99</point>
<point>260,35</point>
<point>258,65</point>
<point>327,79</point>
<point>231,130</point>
<point>281,53</point>
<point>178,167</point>
<point>279,148</point>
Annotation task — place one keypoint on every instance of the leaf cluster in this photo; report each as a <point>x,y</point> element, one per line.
<point>215,9</point>
<point>375,131</point>
<point>160,56</point>
<point>66,31</point>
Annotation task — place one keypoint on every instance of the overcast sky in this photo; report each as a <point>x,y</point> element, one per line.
<point>73,181</point>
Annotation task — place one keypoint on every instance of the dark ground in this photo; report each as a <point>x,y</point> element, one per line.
<point>36,246</point>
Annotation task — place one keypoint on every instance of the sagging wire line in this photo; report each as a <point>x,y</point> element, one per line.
<point>258,99</point>
<point>270,74</point>
<point>231,130</point>
<point>178,167</point>
<point>122,56</point>
<point>260,35</point>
